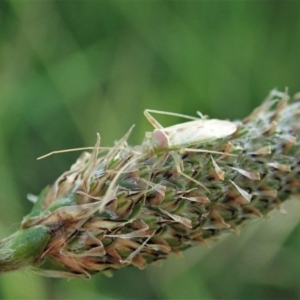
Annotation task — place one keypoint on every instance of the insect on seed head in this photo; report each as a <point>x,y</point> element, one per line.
<point>190,133</point>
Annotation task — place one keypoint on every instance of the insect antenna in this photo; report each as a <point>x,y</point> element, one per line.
<point>119,146</point>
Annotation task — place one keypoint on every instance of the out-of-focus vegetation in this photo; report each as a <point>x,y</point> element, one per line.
<point>69,69</point>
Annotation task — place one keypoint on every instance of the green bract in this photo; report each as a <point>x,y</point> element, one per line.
<point>23,247</point>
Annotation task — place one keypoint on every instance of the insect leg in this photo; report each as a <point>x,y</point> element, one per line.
<point>152,120</point>
<point>201,115</point>
<point>156,124</point>
<point>183,150</point>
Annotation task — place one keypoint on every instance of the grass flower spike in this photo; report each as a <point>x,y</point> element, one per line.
<point>131,206</point>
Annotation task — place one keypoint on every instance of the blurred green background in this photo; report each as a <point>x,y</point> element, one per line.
<point>69,69</point>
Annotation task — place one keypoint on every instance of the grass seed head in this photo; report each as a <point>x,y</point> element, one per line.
<point>131,206</point>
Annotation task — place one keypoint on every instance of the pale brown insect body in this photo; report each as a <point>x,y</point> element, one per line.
<point>191,133</point>
<point>177,138</point>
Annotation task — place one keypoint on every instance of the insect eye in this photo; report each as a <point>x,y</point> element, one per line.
<point>160,139</point>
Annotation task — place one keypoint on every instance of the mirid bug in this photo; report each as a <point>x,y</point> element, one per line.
<point>189,133</point>
<point>180,136</point>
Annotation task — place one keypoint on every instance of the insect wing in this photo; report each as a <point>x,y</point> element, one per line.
<point>193,132</point>
<point>221,128</point>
